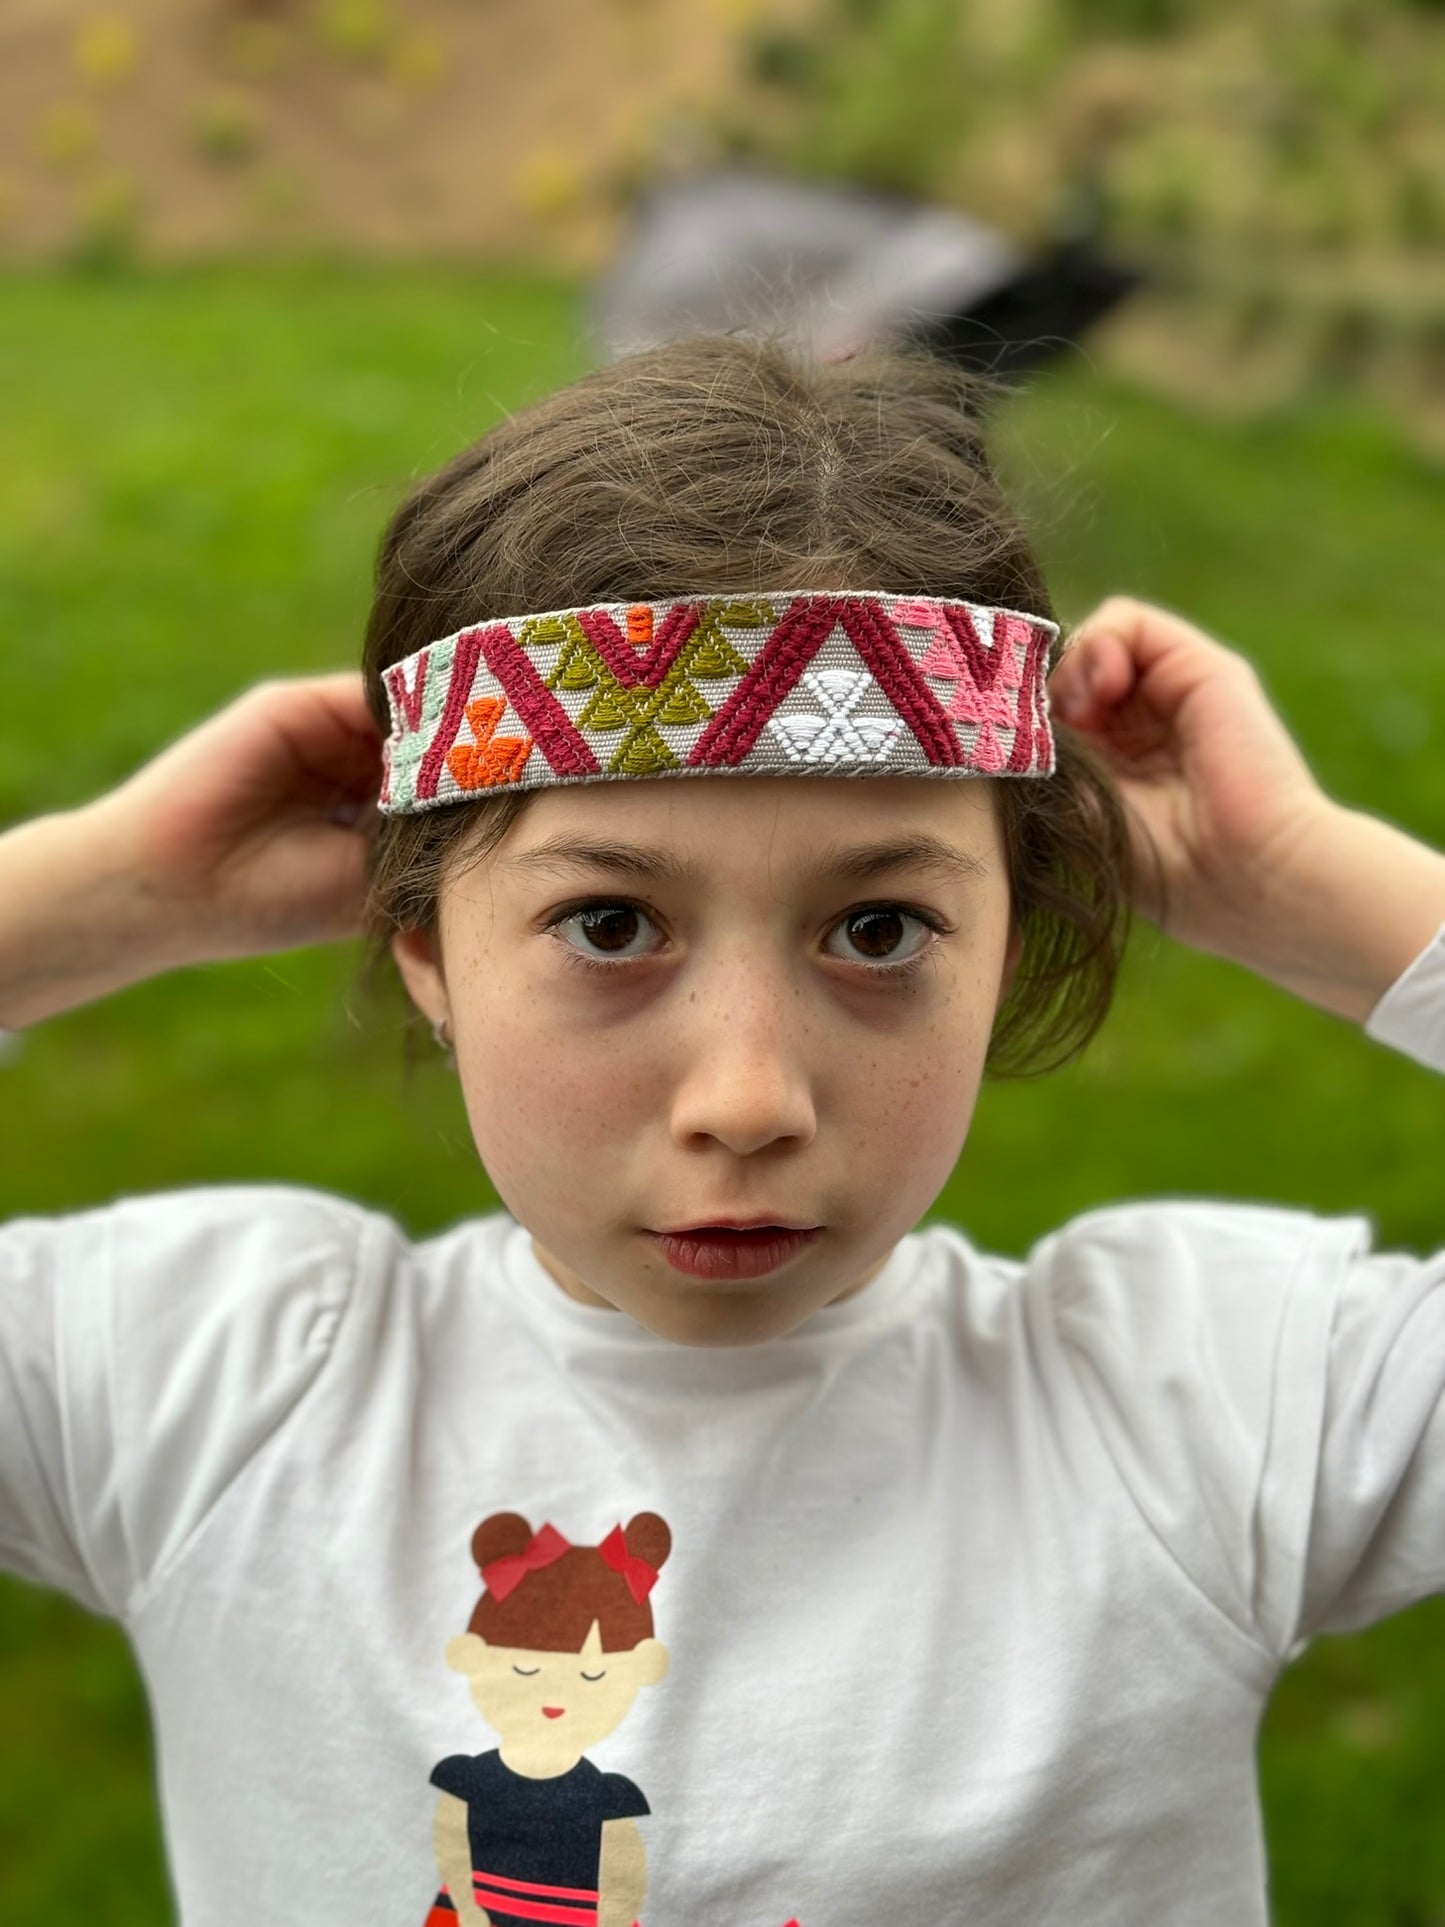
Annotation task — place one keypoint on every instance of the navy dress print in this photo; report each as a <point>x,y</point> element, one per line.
<point>536,1845</point>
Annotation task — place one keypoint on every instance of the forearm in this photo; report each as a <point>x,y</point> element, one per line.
<point>74,923</point>
<point>1355,906</point>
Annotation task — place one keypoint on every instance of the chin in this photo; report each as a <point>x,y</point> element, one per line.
<point>714,1322</point>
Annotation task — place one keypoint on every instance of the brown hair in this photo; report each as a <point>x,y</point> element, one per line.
<point>552,1609</point>
<point>728,465</point>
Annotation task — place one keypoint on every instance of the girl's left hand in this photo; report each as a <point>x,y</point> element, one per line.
<point>1215,787</point>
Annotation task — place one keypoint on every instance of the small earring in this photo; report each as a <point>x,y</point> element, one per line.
<point>439,1034</point>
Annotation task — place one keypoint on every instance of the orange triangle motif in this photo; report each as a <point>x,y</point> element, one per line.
<point>491,759</point>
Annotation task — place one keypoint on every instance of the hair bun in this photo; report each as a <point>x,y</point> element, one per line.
<point>494,1538</point>
<point>648,1538</point>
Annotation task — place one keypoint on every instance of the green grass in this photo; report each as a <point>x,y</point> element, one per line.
<point>196,470</point>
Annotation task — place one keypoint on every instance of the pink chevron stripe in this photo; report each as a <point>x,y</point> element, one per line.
<point>1021,756</point>
<point>983,662</point>
<point>631,670</point>
<point>464,668</point>
<point>902,681</point>
<point>546,721</point>
<point>775,671</point>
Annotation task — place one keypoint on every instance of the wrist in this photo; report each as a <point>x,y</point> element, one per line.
<point>75,923</point>
<point>1356,903</point>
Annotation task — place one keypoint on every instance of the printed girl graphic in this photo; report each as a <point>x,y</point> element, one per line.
<point>557,1650</point>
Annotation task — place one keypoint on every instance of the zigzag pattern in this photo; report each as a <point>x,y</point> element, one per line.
<point>861,681</point>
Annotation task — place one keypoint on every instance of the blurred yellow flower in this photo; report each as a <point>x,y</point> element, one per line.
<point>357,29</point>
<point>548,183</point>
<point>104,49</point>
<point>417,62</point>
<point>67,134</point>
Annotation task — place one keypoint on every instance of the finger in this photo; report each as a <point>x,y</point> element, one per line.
<point>1171,658</point>
<point>1095,675</point>
<point>1161,643</point>
<point>325,731</point>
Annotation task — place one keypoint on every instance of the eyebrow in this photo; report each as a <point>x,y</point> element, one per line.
<point>852,863</point>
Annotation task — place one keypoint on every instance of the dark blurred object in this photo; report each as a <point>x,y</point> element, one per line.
<point>840,267</point>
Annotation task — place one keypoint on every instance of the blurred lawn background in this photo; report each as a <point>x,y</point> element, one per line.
<point>197,465</point>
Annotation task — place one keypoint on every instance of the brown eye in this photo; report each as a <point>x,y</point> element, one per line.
<point>612,930</point>
<point>887,936</point>
<point>877,933</point>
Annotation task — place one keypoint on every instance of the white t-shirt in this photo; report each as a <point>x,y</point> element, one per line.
<point>978,1581</point>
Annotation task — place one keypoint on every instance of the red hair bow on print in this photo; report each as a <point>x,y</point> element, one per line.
<point>504,1575</point>
<point>640,1577</point>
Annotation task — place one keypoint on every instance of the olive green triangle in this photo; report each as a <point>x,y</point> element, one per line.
<point>684,705</point>
<point>576,670</point>
<point>715,656</point>
<point>643,754</point>
<point>608,709</point>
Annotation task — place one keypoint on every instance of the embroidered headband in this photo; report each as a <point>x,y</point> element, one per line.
<point>843,683</point>
<point>504,1575</point>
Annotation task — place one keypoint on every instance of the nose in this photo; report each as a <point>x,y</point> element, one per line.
<point>748,1080</point>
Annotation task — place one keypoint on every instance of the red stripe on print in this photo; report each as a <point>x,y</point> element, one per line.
<point>464,668</point>
<point>632,670</point>
<point>494,1898</point>
<point>776,671</point>
<point>544,717</point>
<point>901,680</point>
<point>589,1895</point>
<point>407,702</point>
<point>983,663</point>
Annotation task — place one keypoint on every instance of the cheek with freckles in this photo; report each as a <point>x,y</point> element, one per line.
<point>904,1115</point>
<point>553,1113</point>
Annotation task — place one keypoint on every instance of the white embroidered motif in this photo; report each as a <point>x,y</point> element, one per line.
<point>836,736</point>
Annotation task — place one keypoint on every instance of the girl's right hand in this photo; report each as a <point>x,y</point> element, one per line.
<point>249,835</point>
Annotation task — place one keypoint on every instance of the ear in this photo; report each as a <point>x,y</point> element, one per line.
<point>466,1653</point>
<point>419,961</point>
<point>652,1659</point>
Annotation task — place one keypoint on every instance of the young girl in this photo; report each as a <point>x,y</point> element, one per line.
<point>726,837</point>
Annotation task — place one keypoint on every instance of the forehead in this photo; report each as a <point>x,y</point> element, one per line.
<point>679,829</point>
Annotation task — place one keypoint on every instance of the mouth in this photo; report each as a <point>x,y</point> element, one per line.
<point>553,1712</point>
<point>734,1249</point>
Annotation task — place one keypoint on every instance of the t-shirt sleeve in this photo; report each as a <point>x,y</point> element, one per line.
<point>1270,1389</point>
<point>149,1351</point>
<point>457,1775</point>
<point>620,1799</point>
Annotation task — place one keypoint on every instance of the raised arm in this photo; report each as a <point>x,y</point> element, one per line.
<point>1254,862</point>
<point>246,836</point>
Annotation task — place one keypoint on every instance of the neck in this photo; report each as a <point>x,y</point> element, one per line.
<point>539,1761</point>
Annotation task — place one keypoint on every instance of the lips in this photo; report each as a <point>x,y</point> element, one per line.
<point>554,1712</point>
<point>723,1251</point>
<point>706,1227</point>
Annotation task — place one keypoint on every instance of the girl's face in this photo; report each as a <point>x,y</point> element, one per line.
<point>681,1003</point>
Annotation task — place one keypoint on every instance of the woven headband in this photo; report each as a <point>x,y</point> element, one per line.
<point>821,684</point>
